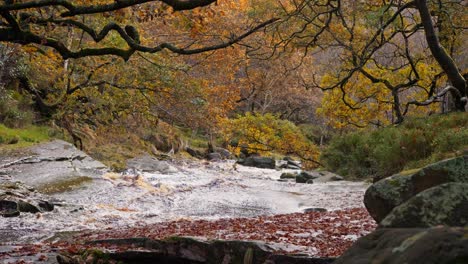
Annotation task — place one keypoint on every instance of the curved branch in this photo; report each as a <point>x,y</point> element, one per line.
<point>73,10</point>
<point>27,37</point>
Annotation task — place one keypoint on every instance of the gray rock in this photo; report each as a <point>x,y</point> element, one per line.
<point>390,192</point>
<point>289,163</point>
<point>225,154</point>
<point>329,177</point>
<point>440,245</point>
<point>214,156</point>
<point>148,163</point>
<point>52,162</point>
<point>258,162</point>
<point>445,204</point>
<point>318,177</point>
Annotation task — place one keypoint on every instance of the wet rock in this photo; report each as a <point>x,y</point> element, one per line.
<point>386,194</point>
<point>148,163</point>
<point>320,210</point>
<point>445,204</point>
<point>9,208</point>
<point>288,175</point>
<point>305,176</point>
<point>258,162</point>
<point>25,198</point>
<point>46,206</point>
<point>191,250</point>
<point>440,245</point>
<point>27,207</point>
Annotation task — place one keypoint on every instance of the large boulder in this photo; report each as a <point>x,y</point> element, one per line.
<point>445,204</point>
<point>440,245</point>
<point>258,162</point>
<point>388,193</point>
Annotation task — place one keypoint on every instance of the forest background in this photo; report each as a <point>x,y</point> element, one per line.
<point>355,87</point>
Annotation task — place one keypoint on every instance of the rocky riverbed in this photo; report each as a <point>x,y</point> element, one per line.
<point>85,196</point>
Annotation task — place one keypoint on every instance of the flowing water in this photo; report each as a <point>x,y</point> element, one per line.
<point>191,190</point>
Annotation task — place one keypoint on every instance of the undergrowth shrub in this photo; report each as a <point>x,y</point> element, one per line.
<point>381,153</point>
<point>268,134</point>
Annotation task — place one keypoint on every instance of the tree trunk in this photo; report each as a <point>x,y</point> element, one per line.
<point>442,57</point>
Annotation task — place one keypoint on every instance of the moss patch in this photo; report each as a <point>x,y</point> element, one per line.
<point>64,185</point>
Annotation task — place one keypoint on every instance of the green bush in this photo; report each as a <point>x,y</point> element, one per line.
<point>381,153</point>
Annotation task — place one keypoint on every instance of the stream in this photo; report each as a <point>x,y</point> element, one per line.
<point>190,190</point>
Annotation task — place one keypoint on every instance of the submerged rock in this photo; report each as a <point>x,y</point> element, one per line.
<point>445,204</point>
<point>441,245</point>
<point>386,194</point>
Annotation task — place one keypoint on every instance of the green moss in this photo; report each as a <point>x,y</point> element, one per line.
<point>14,138</point>
<point>65,185</point>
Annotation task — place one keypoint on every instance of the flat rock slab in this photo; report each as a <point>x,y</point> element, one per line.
<point>54,162</point>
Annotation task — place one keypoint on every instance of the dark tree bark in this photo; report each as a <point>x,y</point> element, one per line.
<point>443,58</point>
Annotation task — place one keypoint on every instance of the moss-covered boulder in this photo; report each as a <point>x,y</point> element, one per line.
<point>445,204</point>
<point>388,193</point>
<point>441,245</point>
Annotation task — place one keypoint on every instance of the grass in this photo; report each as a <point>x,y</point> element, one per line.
<point>14,138</point>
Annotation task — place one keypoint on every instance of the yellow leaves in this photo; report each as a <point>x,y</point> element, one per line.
<point>267,133</point>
